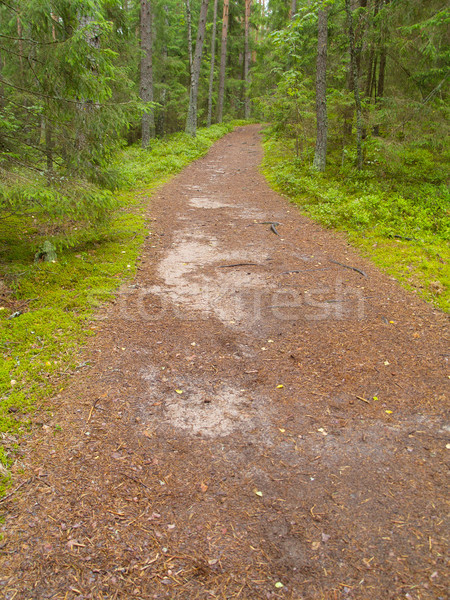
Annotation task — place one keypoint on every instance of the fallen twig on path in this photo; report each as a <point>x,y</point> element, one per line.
<point>273,225</point>
<point>244,264</point>
<point>136,480</point>
<point>304,270</point>
<point>92,409</point>
<point>348,267</point>
<point>363,399</point>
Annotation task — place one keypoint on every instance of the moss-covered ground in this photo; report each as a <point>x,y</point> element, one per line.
<point>396,210</point>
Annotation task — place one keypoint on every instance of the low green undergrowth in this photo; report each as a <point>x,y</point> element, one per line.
<point>396,209</point>
<point>46,307</point>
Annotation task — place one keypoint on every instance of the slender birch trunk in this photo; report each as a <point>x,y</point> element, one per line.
<point>146,84</point>
<point>191,121</point>
<point>213,60</point>
<point>320,155</point>
<point>354,76</point>
<point>189,34</point>
<point>223,60</point>
<point>247,59</point>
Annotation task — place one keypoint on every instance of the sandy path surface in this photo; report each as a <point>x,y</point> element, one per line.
<point>262,415</point>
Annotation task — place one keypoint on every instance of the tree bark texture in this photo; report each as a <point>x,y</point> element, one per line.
<point>191,121</point>
<point>320,155</point>
<point>146,83</point>
<point>189,34</point>
<point>354,77</point>
<point>247,59</point>
<point>49,147</point>
<point>223,60</point>
<point>293,8</point>
<point>213,60</point>
<point>160,122</point>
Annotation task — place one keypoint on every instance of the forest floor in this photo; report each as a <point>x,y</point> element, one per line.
<point>260,415</point>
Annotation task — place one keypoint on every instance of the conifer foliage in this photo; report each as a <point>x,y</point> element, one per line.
<point>80,77</point>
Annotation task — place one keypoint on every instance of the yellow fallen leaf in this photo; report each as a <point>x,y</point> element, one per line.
<point>280,386</point>
<point>282,430</point>
<point>279,585</point>
<point>257,492</point>
<point>375,398</point>
<point>389,412</point>
<point>179,391</point>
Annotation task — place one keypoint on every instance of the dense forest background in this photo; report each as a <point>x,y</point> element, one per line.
<point>80,78</point>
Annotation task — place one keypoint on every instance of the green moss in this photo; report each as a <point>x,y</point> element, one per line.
<point>396,209</point>
<point>57,300</point>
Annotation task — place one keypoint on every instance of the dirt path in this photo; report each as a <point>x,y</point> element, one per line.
<point>256,420</point>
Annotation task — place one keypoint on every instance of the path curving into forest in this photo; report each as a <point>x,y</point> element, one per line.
<point>261,416</point>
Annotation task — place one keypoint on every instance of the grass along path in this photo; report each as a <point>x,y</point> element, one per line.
<point>46,307</point>
<point>396,210</point>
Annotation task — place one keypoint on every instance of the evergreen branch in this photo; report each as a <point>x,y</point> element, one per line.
<point>60,98</point>
<point>27,57</point>
<point>30,146</point>
<point>27,166</point>
<point>424,101</point>
<point>17,39</point>
<point>13,8</point>
<point>408,73</point>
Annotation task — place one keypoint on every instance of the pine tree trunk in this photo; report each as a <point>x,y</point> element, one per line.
<point>160,122</point>
<point>247,60</point>
<point>354,76</point>
<point>191,121</point>
<point>320,155</point>
<point>213,60</point>
<point>293,8</point>
<point>49,148</point>
<point>189,34</point>
<point>146,83</point>
<point>223,61</point>
<point>381,73</point>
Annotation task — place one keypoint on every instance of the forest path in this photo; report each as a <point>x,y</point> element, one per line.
<point>241,431</point>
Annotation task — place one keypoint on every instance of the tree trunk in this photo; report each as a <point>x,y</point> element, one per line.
<point>191,121</point>
<point>19,35</point>
<point>146,84</point>
<point>247,59</point>
<point>354,76</point>
<point>379,90</point>
<point>320,155</point>
<point>293,8</point>
<point>189,33</point>
<point>161,120</point>
<point>213,59</point>
<point>49,149</point>
<point>223,60</point>
<point>381,73</point>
